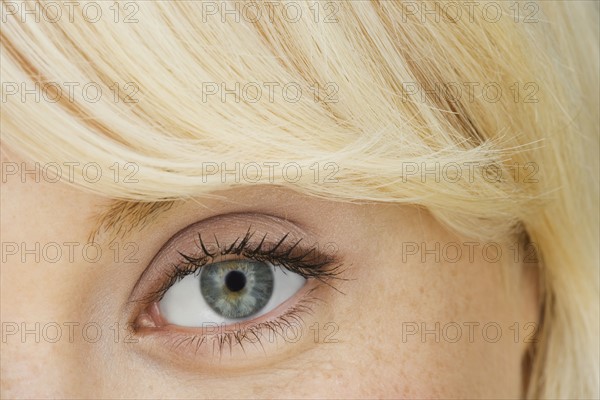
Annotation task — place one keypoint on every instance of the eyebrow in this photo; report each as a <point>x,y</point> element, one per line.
<point>120,217</point>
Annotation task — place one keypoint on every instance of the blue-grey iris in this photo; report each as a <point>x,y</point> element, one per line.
<point>237,288</point>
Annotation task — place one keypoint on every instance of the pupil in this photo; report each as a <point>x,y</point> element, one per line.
<point>235,281</point>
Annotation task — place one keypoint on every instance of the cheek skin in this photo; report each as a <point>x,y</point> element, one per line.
<point>369,358</point>
<point>38,291</point>
<point>407,294</point>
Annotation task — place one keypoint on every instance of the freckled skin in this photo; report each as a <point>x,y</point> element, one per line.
<point>359,344</point>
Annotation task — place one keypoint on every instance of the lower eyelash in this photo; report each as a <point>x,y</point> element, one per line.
<point>251,334</point>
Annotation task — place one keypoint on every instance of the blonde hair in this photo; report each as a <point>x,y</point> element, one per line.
<point>369,106</point>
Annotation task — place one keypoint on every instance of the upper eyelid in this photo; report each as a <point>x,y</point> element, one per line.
<point>279,253</point>
<point>237,222</point>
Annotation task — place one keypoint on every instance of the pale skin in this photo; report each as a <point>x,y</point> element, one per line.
<point>360,344</point>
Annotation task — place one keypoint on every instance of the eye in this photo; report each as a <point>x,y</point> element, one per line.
<point>230,279</point>
<point>227,292</point>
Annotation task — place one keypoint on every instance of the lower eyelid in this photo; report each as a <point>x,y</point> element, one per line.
<point>152,320</point>
<point>288,324</point>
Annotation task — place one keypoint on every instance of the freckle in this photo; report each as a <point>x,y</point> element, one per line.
<point>421,290</point>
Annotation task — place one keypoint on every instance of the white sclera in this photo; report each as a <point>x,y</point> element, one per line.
<point>184,305</point>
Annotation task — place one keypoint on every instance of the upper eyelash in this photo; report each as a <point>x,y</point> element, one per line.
<point>308,264</point>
